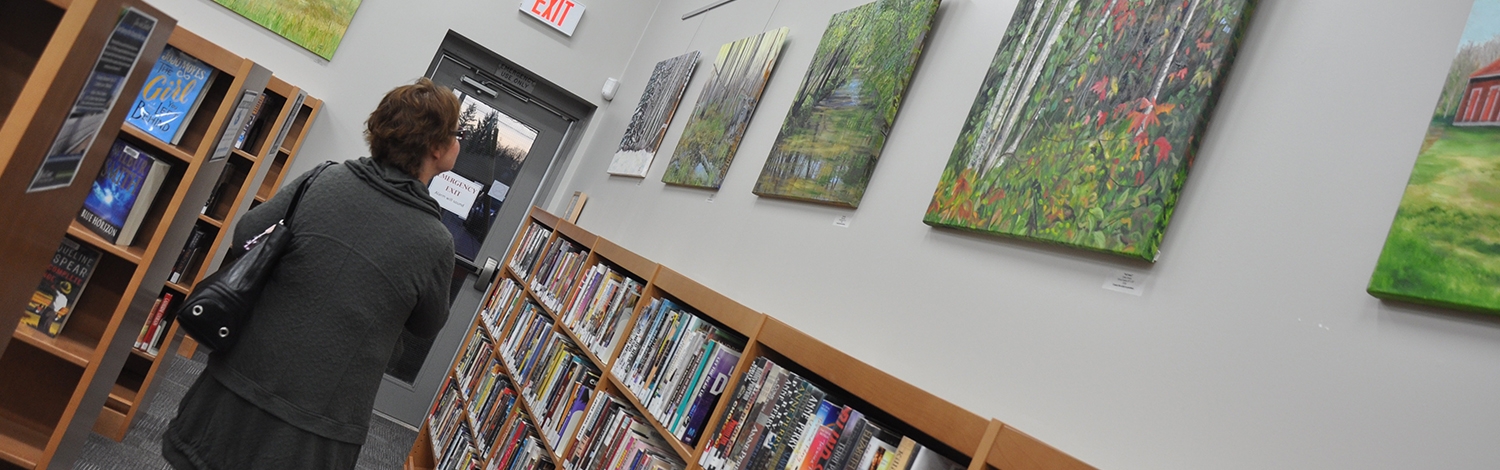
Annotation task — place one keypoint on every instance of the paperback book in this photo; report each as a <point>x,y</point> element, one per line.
<point>122,194</point>
<point>171,96</point>
<point>62,284</point>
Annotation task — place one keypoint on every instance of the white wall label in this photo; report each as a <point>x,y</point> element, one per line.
<point>1126,282</point>
<point>711,197</point>
<point>562,15</point>
<point>454,193</point>
<point>841,221</point>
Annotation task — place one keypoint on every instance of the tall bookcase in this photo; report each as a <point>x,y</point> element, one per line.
<point>969,439</point>
<point>47,50</point>
<point>57,389</point>
<point>250,176</point>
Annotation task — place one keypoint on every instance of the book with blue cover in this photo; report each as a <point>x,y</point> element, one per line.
<point>171,95</point>
<point>122,193</point>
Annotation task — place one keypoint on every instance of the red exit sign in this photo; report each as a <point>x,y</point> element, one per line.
<point>560,14</point>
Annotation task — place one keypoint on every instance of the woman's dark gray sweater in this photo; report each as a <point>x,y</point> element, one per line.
<point>369,256</point>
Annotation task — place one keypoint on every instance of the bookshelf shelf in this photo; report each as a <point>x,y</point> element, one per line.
<point>63,346</point>
<point>211,221</point>
<point>121,397</point>
<point>21,445</point>
<point>142,354</point>
<point>246,156</point>
<point>934,423</point>
<point>157,146</point>
<point>181,289</point>
<point>130,254</point>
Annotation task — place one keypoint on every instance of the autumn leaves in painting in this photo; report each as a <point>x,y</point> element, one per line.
<point>1086,124</point>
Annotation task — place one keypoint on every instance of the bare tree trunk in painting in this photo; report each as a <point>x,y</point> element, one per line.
<point>996,154</point>
<point>1166,66</point>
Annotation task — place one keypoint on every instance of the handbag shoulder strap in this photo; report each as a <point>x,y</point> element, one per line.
<point>302,188</point>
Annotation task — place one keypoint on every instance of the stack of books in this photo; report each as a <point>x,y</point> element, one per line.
<point>556,272</point>
<point>452,440</point>
<point>530,249</point>
<point>615,437</point>
<point>677,365</point>
<point>778,420</point>
<point>600,307</point>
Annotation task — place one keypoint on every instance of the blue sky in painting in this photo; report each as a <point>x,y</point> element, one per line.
<point>1484,22</point>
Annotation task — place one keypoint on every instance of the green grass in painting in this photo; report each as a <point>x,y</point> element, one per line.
<point>1443,246</point>
<point>317,25</point>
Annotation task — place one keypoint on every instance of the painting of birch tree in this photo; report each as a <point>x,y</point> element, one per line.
<point>1087,122</point>
<point>652,115</point>
<point>723,111</point>
<point>1443,248</point>
<point>832,137</point>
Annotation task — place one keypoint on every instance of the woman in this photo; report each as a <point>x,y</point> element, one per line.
<point>369,257</point>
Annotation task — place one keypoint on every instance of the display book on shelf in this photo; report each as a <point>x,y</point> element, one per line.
<point>660,341</point>
<point>254,169</point>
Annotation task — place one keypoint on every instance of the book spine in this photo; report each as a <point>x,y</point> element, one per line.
<point>140,338</point>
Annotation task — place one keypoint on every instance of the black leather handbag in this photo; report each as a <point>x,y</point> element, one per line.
<point>221,303</point>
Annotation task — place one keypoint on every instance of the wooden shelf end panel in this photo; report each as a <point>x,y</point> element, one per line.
<point>1015,450</point>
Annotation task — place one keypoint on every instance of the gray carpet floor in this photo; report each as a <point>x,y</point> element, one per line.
<point>385,448</point>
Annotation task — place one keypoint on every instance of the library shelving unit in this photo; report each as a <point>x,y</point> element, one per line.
<point>249,172</point>
<point>65,385</point>
<point>960,435</point>
<point>47,50</point>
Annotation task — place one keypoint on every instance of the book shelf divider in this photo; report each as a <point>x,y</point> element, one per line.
<point>980,459</point>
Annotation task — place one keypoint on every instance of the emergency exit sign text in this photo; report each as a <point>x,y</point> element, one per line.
<point>560,14</point>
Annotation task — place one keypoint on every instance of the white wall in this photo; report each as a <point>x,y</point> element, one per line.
<point>1254,346</point>
<point>391,42</point>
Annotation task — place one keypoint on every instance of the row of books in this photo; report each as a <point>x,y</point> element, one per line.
<point>224,192</point>
<point>452,439</point>
<point>600,307</point>
<point>556,272</point>
<point>553,374</point>
<point>493,404</point>
<point>778,420</point>
<point>677,365</point>
<point>507,296</point>
<point>153,331</point>
<point>192,254</point>
<point>529,249</point>
<point>615,437</point>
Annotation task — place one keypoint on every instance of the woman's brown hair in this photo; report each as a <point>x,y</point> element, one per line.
<point>410,122</point>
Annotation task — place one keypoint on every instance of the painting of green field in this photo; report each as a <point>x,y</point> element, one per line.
<point>317,25</point>
<point>832,137</point>
<point>1085,126</point>
<point>1444,246</point>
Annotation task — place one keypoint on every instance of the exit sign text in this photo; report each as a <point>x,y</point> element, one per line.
<point>560,14</point>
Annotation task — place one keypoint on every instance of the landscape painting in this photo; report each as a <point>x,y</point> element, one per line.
<point>317,25</point>
<point>648,124</point>
<point>832,137</point>
<point>1085,126</point>
<point>1443,248</point>
<point>724,109</point>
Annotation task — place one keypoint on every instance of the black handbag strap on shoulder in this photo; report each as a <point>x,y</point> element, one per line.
<point>302,188</point>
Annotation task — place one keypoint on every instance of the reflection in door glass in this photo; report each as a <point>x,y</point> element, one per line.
<point>489,159</point>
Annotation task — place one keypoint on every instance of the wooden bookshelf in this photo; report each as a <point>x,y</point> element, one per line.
<point>969,439</point>
<point>248,170</point>
<point>48,49</point>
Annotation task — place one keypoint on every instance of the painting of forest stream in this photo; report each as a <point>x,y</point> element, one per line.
<point>832,137</point>
<point>1087,122</point>
<point>1443,248</point>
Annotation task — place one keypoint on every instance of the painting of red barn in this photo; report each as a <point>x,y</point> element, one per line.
<point>1443,248</point>
<point>1085,126</point>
